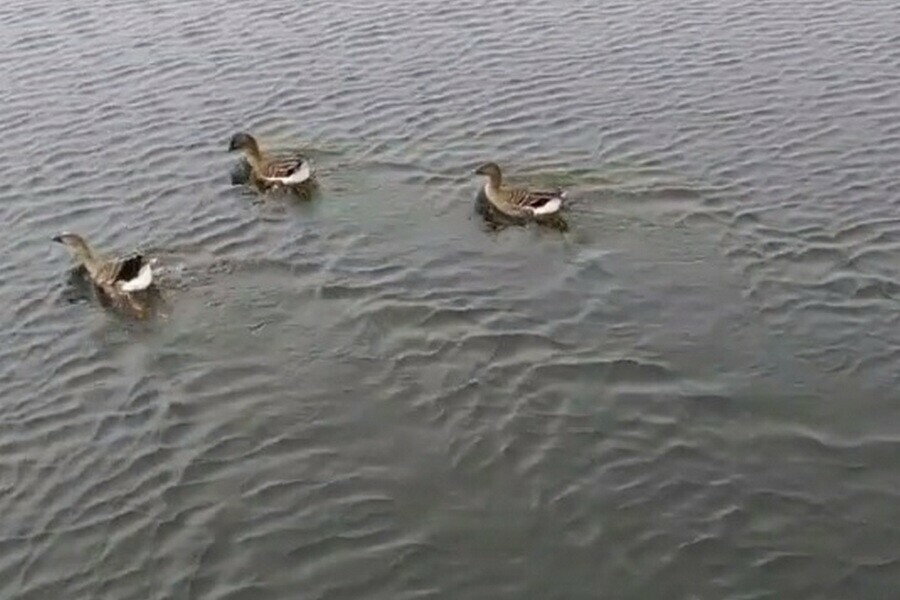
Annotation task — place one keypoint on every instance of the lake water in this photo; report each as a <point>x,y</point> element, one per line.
<point>692,393</point>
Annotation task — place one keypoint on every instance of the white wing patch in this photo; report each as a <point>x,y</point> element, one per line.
<point>298,176</point>
<point>141,282</point>
<point>548,208</point>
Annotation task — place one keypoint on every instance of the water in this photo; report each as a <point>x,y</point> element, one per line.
<point>690,394</point>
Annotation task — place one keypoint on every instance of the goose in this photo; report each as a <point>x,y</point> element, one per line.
<point>114,276</point>
<point>519,203</point>
<point>267,171</point>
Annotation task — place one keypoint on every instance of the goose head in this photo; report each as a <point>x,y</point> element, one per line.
<point>243,141</point>
<point>76,245</point>
<point>491,171</point>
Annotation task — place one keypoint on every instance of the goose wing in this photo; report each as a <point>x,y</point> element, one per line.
<point>114,270</point>
<point>130,267</point>
<point>536,202</point>
<point>141,281</point>
<point>288,171</point>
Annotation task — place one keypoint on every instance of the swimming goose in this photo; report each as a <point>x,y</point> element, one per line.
<point>520,203</point>
<point>115,276</point>
<point>267,171</point>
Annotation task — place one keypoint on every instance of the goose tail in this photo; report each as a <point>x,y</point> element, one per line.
<point>548,208</point>
<point>301,172</point>
<point>141,282</point>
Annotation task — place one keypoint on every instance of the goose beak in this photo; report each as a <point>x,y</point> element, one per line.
<point>232,146</point>
<point>58,239</point>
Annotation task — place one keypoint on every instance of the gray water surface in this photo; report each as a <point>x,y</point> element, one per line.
<point>693,393</point>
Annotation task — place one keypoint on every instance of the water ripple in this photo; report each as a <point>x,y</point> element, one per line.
<point>370,395</point>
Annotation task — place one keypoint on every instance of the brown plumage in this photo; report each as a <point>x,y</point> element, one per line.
<point>519,203</point>
<point>115,276</point>
<point>268,171</point>
<point>124,283</point>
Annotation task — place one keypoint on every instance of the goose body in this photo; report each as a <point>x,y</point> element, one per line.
<point>296,174</point>
<point>519,202</point>
<point>268,171</point>
<point>115,276</point>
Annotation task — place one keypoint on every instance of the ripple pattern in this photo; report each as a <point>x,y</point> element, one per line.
<point>372,396</point>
